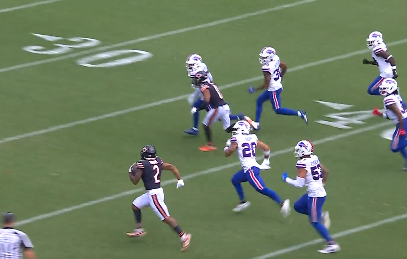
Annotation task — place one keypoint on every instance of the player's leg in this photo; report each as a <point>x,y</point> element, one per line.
<point>275,99</point>
<point>211,117</point>
<point>315,213</point>
<point>263,97</point>
<point>139,203</point>
<point>237,180</point>
<point>160,208</point>
<point>373,88</point>
<point>255,180</point>
<point>196,108</point>
<point>236,117</point>
<point>399,144</point>
<point>301,205</point>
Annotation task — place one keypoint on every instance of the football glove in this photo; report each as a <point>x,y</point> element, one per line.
<point>365,61</point>
<point>284,176</point>
<point>251,89</point>
<point>376,112</point>
<point>180,183</point>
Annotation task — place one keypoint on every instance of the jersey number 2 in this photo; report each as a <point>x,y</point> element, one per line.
<point>156,170</point>
<point>249,150</point>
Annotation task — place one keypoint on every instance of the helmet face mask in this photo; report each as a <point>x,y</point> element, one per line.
<point>375,38</point>
<point>388,87</point>
<point>241,127</point>
<point>192,62</point>
<point>199,78</point>
<point>266,55</point>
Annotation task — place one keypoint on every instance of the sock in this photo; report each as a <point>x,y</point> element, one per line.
<point>195,117</point>
<point>287,111</point>
<point>322,231</point>
<point>259,110</point>
<point>239,190</point>
<point>179,231</point>
<point>233,117</point>
<point>403,152</point>
<point>137,217</point>
<point>208,134</point>
<point>272,194</point>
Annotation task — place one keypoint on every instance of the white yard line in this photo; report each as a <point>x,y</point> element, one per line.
<point>178,98</point>
<point>11,9</point>
<point>337,235</point>
<point>157,36</point>
<point>194,175</point>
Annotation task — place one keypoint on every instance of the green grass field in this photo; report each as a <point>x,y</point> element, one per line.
<point>62,147</point>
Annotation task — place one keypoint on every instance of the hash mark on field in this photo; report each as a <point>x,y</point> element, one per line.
<point>190,176</point>
<point>178,98</point>
<point>157,36</point>
<point>11,9</point>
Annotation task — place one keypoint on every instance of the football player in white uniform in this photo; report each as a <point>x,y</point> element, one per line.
<point>382,59</point>
<point>273,72</point>
<point>311,173</point>
<point>193,65</point>
<point>394,110</point>
<point>246,145</point>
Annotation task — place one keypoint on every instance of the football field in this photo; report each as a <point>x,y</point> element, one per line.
<point>85,84</point>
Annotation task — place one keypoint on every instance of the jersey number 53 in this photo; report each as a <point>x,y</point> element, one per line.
<point>316,172</point>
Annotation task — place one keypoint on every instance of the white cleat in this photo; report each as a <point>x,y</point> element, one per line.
<point>326,221</point>
<point>264,166</point>
<point>329,249</point>
<point>242,206</point>
<point>253,124</point>
<point>285,208</point>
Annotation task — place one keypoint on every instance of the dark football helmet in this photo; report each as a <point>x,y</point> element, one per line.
<point>148,151</point>
<point>199,78</point>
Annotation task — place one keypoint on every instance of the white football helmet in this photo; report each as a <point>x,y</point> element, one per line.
<point>303,148</point>
<point>375,38</point>
<point>241,127</point>
<point>192,61</point>
<point>388,86</point>
<point>266,55</point>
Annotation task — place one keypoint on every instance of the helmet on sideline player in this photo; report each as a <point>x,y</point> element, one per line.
<point>192,61</point>
<point>303,148</point>
<point>388,87</point>
<point>148,152</point>
<point>266,55</point>
<point>375,38</point>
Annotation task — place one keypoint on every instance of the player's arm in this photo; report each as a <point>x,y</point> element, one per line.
<point>206,94</point>
<point>370,62</point>
<point>27,246</point>
<point>136,173</point>
<point>265,148</point>
<point>393,107</point>
<point>229,150</point>
<point>283,67</point>
<point>266,82</point>
<point>377,112</point>
<point>325,173</point>
<point>29,253</point>
<point>389,59</point>
<point>173,169</point>
<point>299,181</point>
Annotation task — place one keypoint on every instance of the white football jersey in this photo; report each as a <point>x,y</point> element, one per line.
<point>385,68</point>
<point>246,149</point>
<point>313,179</point>
<point>274,69</point>
<point>394,99</point>
<point>198,68</point>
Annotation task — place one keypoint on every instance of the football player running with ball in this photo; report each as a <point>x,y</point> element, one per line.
<point>311,173</point>
<point>246,145</point>
<point>148,169</point>
<point>394,110</point>
<point>273,72</point>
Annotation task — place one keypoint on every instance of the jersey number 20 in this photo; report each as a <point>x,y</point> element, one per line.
<point>249,149</point>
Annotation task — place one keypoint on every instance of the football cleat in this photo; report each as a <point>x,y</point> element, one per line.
<point>138,232</point>
<point>253,124</point>
<point>304,116</point>
<point>285,208</point>
<point>242,206</point>
<point>330,248</point>
<point>207,148</point>
<point>192,131</point>
<point>185,240</point>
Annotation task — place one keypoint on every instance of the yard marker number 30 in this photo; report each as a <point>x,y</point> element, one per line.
<point>95,60</point>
